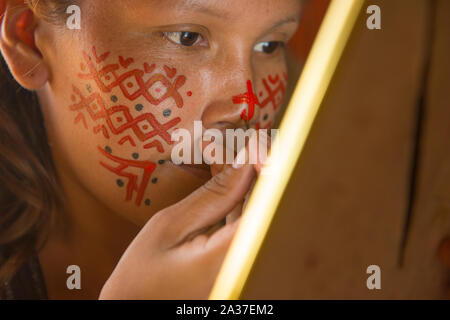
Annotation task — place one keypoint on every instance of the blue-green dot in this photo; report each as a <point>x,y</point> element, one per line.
<point>161,161</point>
<point>120,183</point>
<point>154,180</point>
<point>135,155</point>
<point>108,149</point>
<point>114,99</point>
<point>139,107</point>
<point>167,113</point>
<point>266,116</point>
<point>147,202</point>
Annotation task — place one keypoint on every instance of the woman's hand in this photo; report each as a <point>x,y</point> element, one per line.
<point>178,253</point>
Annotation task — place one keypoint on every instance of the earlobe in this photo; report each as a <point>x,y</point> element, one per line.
<point>18,47</point>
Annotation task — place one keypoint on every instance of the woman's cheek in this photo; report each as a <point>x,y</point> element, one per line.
<point>271,96</point>
<point>127,102</point>
<point>124,112</point>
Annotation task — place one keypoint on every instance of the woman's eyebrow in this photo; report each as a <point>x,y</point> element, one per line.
<point>293,19</point>
<point>201,6</point>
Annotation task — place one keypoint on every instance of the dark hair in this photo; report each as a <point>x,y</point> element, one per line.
<point>29,193</point>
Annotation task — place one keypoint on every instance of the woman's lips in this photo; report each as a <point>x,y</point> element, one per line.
<point>199,170</point>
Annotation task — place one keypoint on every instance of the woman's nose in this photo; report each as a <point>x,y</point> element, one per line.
<point>223,115</point>
<point>234,104</point>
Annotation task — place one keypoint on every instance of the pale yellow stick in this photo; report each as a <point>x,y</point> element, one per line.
<point>294,130</point>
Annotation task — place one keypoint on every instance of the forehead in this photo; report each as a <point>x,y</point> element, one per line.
<point>220,6</point>
<point>225,9</point>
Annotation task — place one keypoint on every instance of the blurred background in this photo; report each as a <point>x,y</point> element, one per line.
<point>313,14</point>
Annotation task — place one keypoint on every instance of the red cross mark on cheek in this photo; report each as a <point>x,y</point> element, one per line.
<point>275,89</point>
<point>248,98</point>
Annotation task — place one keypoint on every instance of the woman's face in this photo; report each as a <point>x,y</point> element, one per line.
<point>137,70</point>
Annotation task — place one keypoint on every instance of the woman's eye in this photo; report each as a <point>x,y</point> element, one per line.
<point>268,47</point>
<point>187,39</point>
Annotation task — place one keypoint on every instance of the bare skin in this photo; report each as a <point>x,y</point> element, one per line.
<point>208,51</point>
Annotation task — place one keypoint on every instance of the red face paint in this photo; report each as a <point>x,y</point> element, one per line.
<point>275,89</point>
<point>250,99</point>
<point>111,118</point>
<point>114,75</point>
<point>108,121</point>
<point>120,170</point>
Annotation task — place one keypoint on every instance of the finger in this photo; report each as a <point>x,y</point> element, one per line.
<point>209,252</point>
<point>255,152</point>
<point>264,147</point>
<point>218,164</point>
<point>219,242</point>
<point>217,246</point>
<point>207,205</point>
<point>234,214</point>
<point>247,196</point>
<point>259,153</point>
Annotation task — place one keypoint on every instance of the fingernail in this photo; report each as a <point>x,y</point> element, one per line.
<point>263,147</point>
<point>239,161</point>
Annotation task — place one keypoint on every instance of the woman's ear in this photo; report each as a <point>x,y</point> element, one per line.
<point>17,45</point>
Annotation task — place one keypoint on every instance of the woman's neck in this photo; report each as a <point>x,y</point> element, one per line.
<point>88,235</point>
